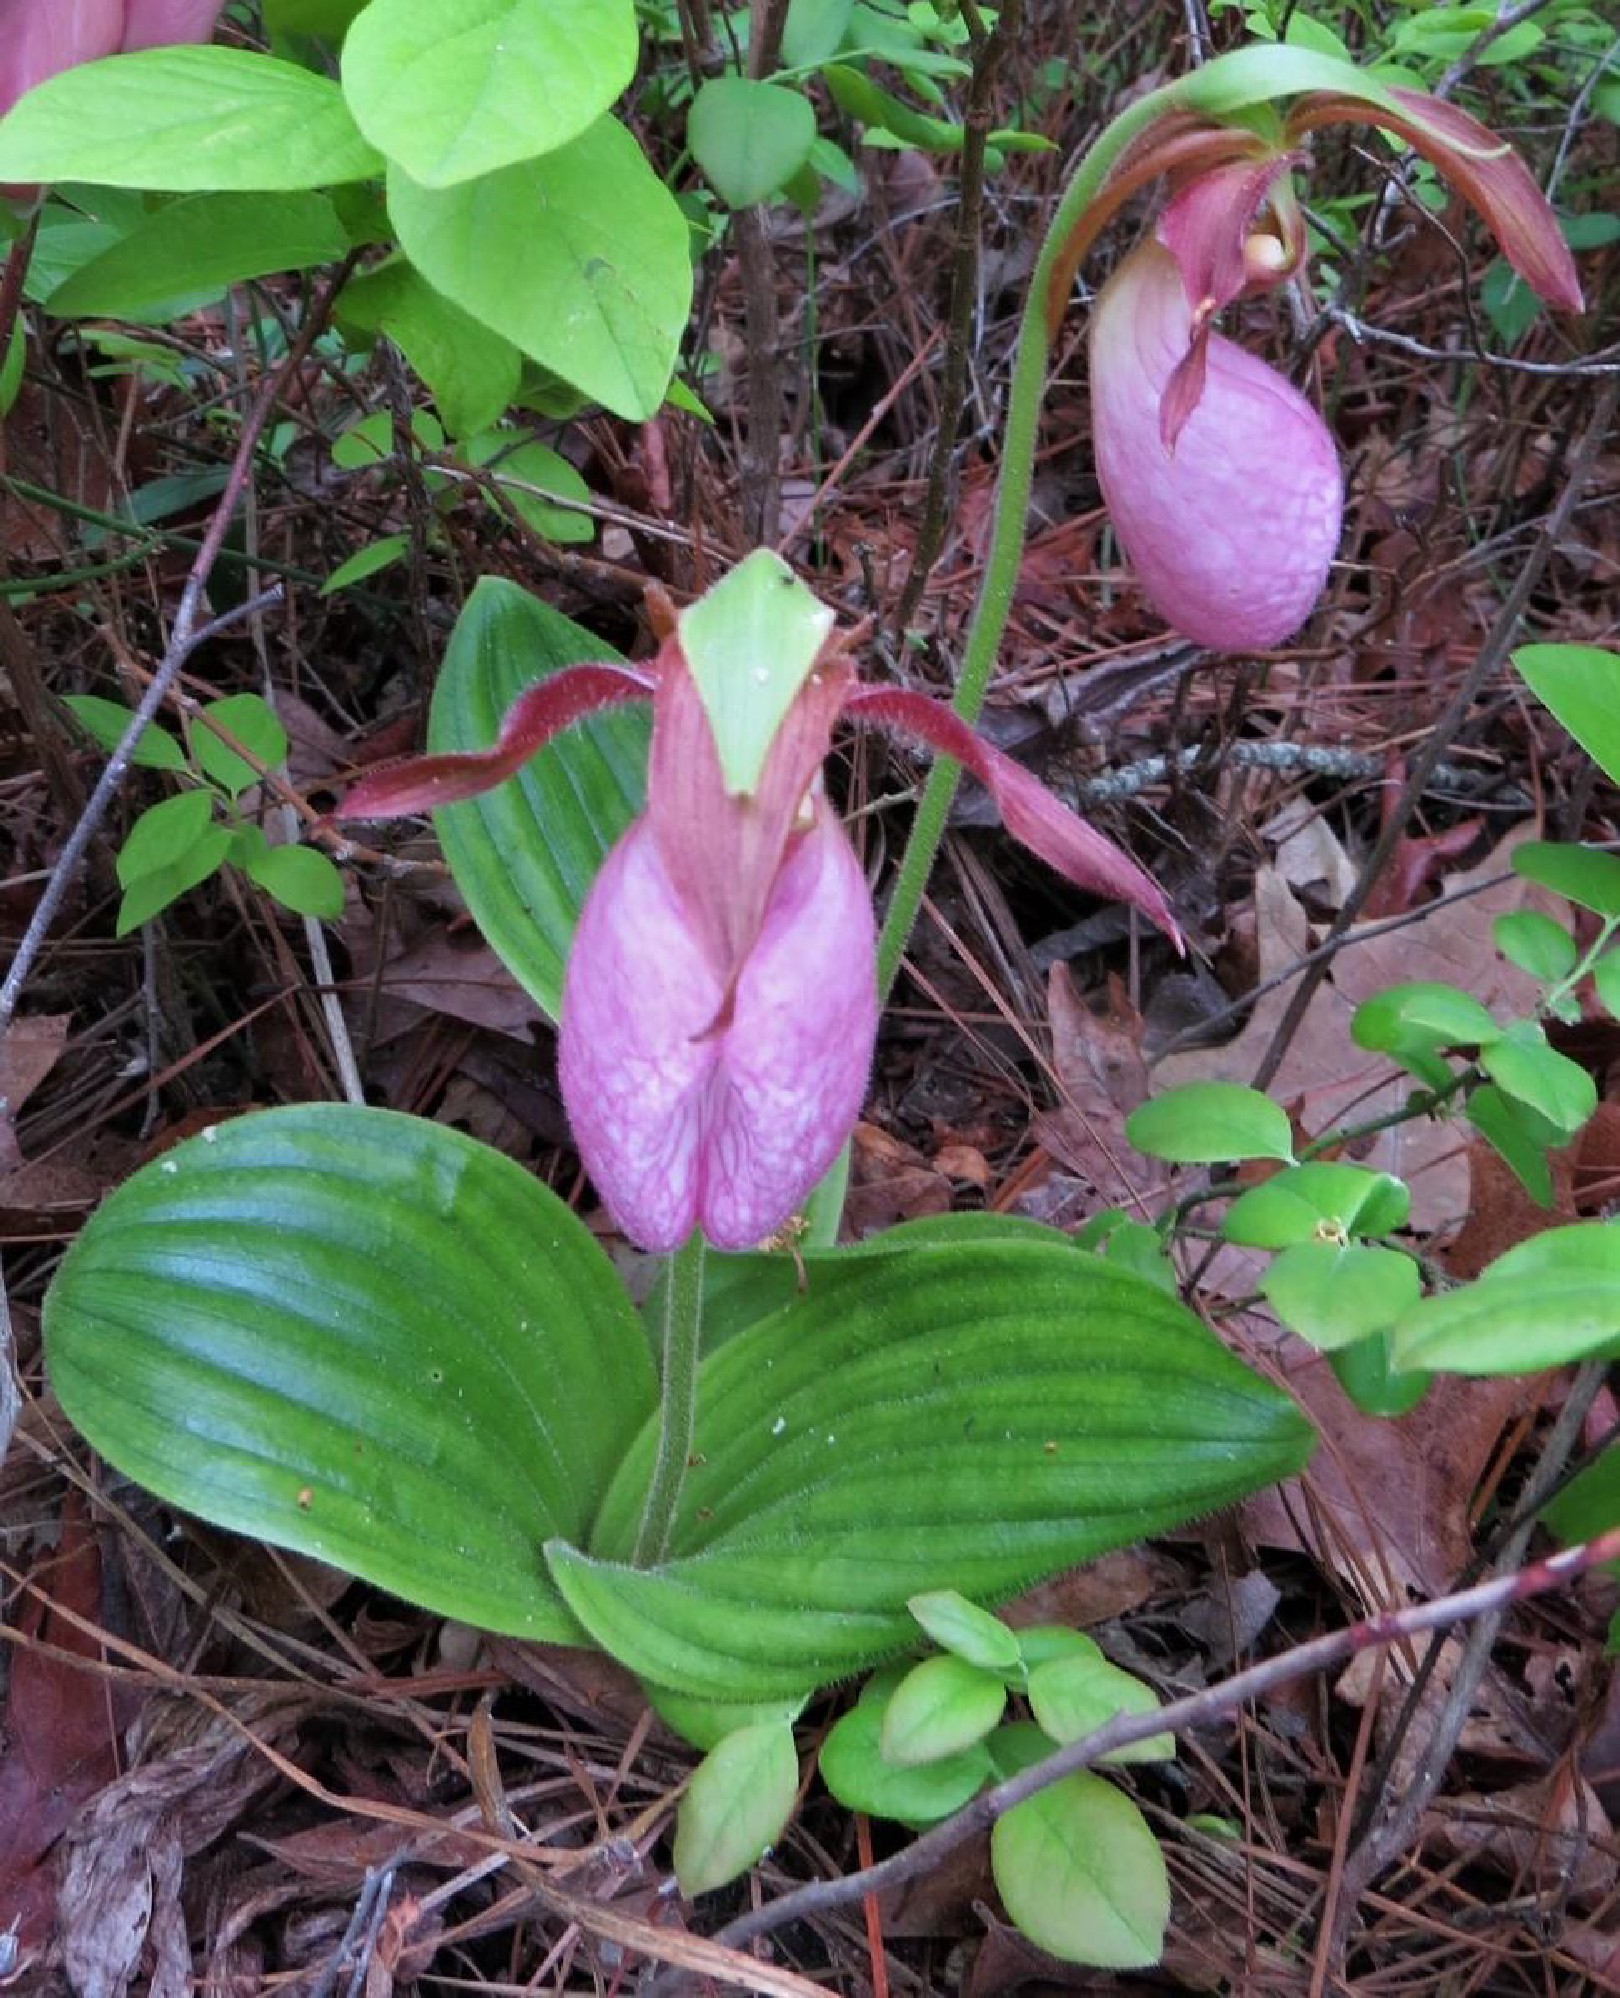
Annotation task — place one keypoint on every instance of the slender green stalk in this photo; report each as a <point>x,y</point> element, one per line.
<point>1006,550</point>
<point>677,1398</point>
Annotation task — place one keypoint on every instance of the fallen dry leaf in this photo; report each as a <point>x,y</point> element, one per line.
<point>1098,1059</point>
<point>1389,1497</point>
<point>1325,1079</point>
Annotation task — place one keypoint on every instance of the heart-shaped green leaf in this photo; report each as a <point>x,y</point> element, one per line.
<point>968,1416</point>
<point>749,138</point>
<point>525,855</point>
<point>581,258</point>
<point>462,87</point>
<point>363,1336</point>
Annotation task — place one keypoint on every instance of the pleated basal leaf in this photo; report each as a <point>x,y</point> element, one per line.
<point>362,1336</point>
<point>525,854</point>
<point>969,1416</point>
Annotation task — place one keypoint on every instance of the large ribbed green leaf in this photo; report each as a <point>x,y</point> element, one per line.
<point>363,1336</point>
<point>524,855</point>
<point>967,1415</point>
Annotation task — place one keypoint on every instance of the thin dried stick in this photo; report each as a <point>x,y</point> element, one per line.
<point>186,635</point>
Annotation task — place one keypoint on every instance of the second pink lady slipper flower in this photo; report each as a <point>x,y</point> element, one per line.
<point>719,1008</point>
<point>1221,479</point>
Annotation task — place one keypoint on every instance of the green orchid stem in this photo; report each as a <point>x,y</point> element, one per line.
<point>677,1399</point>
<point>1006,552</point>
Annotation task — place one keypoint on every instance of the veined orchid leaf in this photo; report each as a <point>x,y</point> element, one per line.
<point>970,1415</point>
<point>362,1336</point>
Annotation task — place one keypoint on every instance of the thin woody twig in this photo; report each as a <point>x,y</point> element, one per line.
<point>187,633</point>
<point>1196,1710</point>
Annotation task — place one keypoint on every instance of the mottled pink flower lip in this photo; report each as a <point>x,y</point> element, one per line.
<point>720,1002</point>
<point>1221,480</point>
<point>1230,526</point>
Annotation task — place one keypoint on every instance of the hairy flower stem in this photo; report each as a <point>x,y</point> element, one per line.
<point>677,1398</point>
<point>1007,531</point>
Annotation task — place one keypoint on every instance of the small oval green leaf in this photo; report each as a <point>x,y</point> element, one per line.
<point>1082,1876</point>
<point>1581,874</point>
<point>965,1630</point>
<point>854,1769</point>
<point>1203,1123</point>
<point>1073,1697</point>
<point>1422,1013</point>
<point>736,1806</point>
<point>939,1708</point>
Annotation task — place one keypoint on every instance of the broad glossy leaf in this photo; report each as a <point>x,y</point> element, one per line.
<point>363,1336</point>
<point>1519,1135</point>
<point>736,1805</point>
<point>1581,685</point>
<point>1082,1876</point>
<point>963,1416</point>
<point>525,855</point>
<point>1535,943</point>
<point>854,1769</point>
<point>1552,1299</point>
<point>204,242</point>
<point>1590,1503</point>
<point>186,120</point>
<point>1363,1370</point>
<point>582,259</point>
<point>1524,1067</point>
<point>749,138</point>
<point>1424,1013</point>
<point>462,87</point>
<point>1202,1123</point>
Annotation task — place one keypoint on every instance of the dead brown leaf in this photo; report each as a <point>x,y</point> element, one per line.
<point>1098,1060</point>
<point>1325,1079</point>
<point>1386,1496</point>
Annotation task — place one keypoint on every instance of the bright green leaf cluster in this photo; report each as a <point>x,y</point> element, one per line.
<point>178,844</point>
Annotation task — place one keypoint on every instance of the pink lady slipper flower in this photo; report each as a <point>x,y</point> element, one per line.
<point>40,38</point>
<point>720,1003</point>
<point>1221,479</point>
